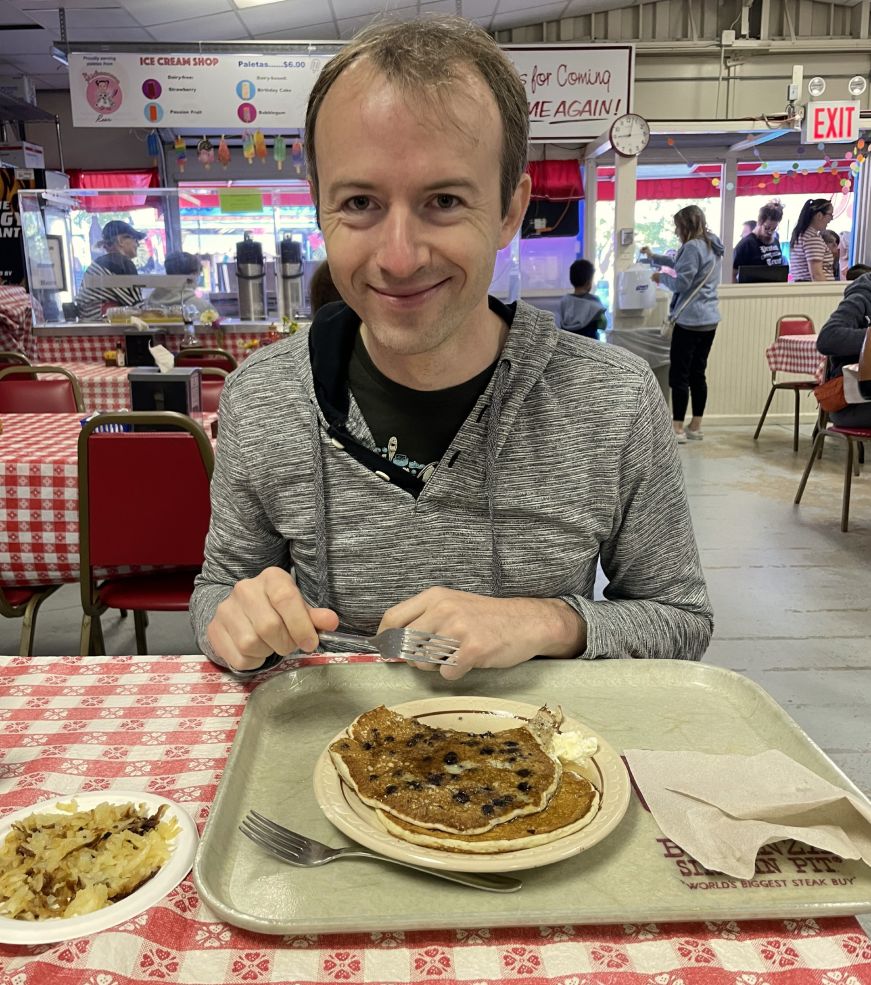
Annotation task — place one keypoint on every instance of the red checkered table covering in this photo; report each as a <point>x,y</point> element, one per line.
<point>16,321</point>
<point>39,499</point>
<point>90,348</point>
<point>103,387</point>
<point>796,354</point>
<point>165,724</point>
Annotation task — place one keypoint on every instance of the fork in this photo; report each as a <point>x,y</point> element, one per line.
<point>402,644</point>
<point>300,850</point>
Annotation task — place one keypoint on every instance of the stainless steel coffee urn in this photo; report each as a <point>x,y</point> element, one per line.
<point>251,279</point>
<point>290,274</point>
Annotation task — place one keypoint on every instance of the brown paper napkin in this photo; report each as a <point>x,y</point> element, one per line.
<point>722,809</point>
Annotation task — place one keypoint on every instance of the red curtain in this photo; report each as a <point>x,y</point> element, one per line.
<point>141,178</point>
<point>557,181</point>
<point>790,183</point>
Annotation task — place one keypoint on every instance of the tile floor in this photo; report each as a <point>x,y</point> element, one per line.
<point>791,593</point>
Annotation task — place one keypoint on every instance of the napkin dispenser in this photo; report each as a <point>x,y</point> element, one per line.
<point>136,346</point>
<point>179,389</point>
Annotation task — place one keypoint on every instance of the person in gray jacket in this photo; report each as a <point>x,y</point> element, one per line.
<point>841,340</point>
<point>696,311</point>
<point>424,455</point>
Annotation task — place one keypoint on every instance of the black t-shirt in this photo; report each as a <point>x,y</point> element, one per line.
<point>750,252</point>
<point>411,428</point>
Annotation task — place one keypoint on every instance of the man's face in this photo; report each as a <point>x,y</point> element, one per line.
<point>765,230</point>
<point>410,208</point>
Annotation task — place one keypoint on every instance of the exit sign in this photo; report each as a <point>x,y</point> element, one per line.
<point>836,122</point>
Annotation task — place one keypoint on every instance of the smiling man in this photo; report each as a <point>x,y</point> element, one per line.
<point>425,455</point>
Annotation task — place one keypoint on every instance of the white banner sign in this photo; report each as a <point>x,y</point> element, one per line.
<point>574,91</point>
<point>191,90</point>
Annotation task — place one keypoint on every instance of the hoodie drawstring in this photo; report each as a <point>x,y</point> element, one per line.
<point>499,386</point>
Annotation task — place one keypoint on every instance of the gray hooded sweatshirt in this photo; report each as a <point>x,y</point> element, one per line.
<point>696,263</point>
<point>567,459</point>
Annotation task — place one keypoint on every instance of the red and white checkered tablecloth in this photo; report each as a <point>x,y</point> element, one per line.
<point>165,725</point>
<point>16,321</point>
<point>39,498</point>
<point>90,348</point>
<point>103,387</point>
<point>796,354</point>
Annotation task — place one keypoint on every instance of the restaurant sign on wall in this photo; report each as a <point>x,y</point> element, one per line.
<point>574,91</point>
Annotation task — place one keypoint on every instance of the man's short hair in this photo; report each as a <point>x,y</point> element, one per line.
<point>856,271</point>
<point>182,263</point>
<point>420,57</point>
<point>581,273</point>
<point>751,223</point>
<point>772,210</point>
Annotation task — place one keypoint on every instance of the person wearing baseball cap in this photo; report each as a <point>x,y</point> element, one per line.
<point>119,241</point>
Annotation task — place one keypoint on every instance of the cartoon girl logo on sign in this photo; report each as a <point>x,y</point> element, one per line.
<point>103,93</point>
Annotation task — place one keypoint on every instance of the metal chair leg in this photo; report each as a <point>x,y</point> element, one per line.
<point>795,423</point>
<point>28,624</point>
<point>98,644</point>
<point>140,621</point>
<point>848,479</point>
<point>85,637</point>
<point>764,413</point>
<point>818,442</point>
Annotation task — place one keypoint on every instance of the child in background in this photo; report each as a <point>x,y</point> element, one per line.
<point>582,312</point>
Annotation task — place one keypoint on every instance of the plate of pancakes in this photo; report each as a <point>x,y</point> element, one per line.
<point>473,784</point>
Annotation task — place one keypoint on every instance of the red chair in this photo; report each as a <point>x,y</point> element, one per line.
<point>201,356</point>
<point>143,504</point>
<point>789,325</point>
<point>851,435</point>
<point>8,359</point>
<point>212,385</point>
<point>23,390</point>
<point>23,603</point>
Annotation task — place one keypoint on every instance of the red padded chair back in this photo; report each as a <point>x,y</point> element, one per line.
<point>147,499</point>
<point>214,360</point>
<point>36,396</point>
<point>7,363</point>
<point>795,325</point>
<point>211,393</point>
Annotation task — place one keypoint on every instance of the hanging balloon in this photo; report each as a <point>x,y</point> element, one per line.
<point>296,156</point>
<point>670,141</point>
<point>848,155</point>
<point>860,143</point>
<point>206,153</point>
<point>821,146</point>
<point>181,157</point>
<point>795,166</point>
<point>152,144</point>
<point>223,153</point>
<point>800,149</point>
<point>730,185</point>
<point>715,182</point>
<point>279,151</point>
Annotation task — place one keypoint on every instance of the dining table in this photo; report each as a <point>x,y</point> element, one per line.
<point>39,499</point>
<point>796,354</point>
<point>165,724</point>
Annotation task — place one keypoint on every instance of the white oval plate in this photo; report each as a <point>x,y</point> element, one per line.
<point>174,870</point>
<point>475,714</point>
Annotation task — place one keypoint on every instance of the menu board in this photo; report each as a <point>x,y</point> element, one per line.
<point>574,91</point>
<point>128,89</point>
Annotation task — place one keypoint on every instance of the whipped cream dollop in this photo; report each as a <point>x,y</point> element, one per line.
<point>574,747</point>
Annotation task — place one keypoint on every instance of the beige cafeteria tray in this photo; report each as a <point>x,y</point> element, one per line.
<point>634,875</point>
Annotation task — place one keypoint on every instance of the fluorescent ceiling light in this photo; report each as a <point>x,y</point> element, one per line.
<point>254,3</point>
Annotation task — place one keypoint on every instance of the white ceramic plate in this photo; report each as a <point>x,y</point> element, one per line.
<point>475,714</point>
<point>174,870</point>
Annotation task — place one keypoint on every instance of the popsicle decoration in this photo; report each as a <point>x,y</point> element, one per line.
<point>296,156</point>
<point>260,146</point>
<point>279,152</point>
<point>181,157</point>
<point>223,152</point>
<point>206,153</point>
<point>248,146</point>
<point>152,143</point>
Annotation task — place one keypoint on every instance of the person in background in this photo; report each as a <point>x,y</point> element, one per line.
<point>748,227</point>
<point>761,247</point>
<point>321,288</point>
<point>181,264</point>
<point>120,243</point>
<point>411,458</point>
<point>581,312</point>
<point>808,254</point>
<point>856,271</point>
<point>695,307</point>
<point>841,339</point>
<point>844,248</point>
<point>833,244</point>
